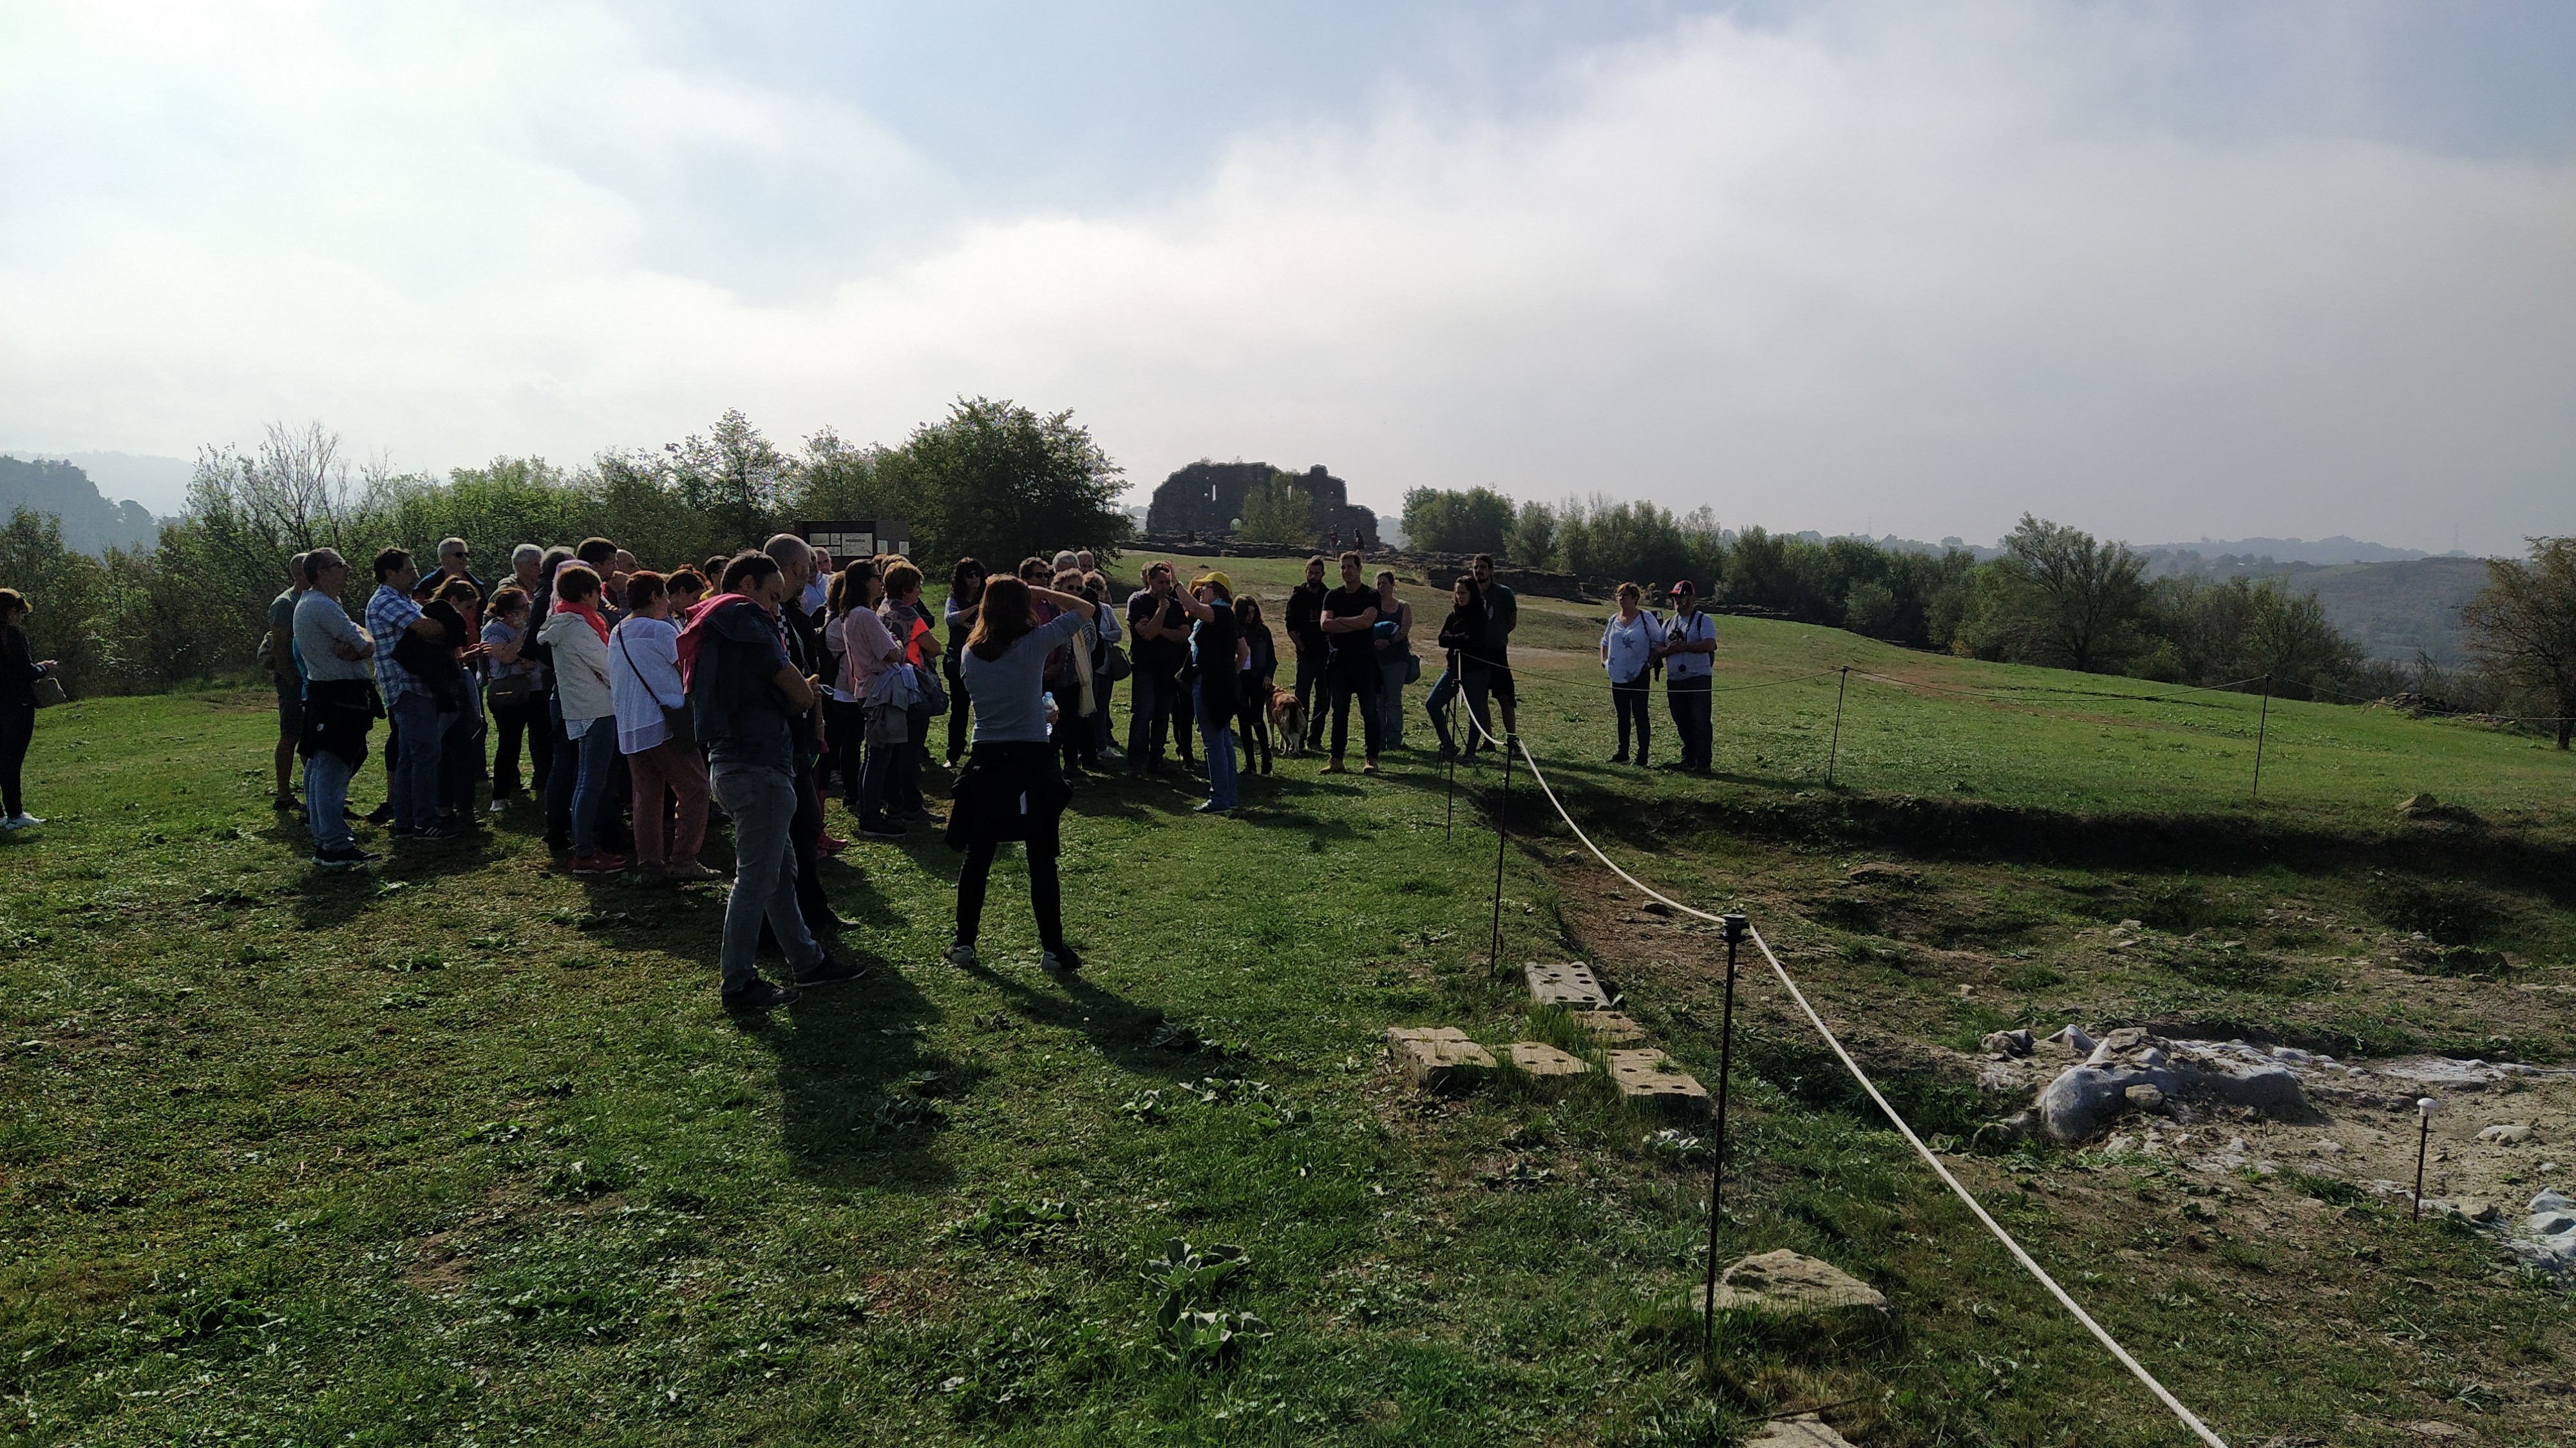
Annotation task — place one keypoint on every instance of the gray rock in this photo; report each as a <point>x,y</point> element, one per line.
<point>2073,1039</point>
<point>2552,1200</point>
<point>2145,1098</point>
<point>1789,1282</point>
<point>2010,1043</point>
<point>2082,1101</point>
<point>2507,1133</point>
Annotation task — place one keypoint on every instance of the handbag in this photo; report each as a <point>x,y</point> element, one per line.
<point>680,726</point>
<point>49,691</point>
<point>514,688</point>
<point>1413,668</point>
<point>1115,667</point>
<point>933,693</point>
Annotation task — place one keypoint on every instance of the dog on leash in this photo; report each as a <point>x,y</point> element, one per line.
<point>1287,720</point>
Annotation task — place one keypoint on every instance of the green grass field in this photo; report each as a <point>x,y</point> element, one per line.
<point>462,1150</point>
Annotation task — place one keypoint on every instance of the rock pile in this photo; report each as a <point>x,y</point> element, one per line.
<point>2093,1082</point>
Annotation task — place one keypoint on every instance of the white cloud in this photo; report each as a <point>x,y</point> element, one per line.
<point>1870,268</point>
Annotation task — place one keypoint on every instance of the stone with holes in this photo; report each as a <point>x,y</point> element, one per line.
<point>1791,1282</point>
<point>1613,1027</point>
<point>1536,1058</point>
<point>1436,1058</point>
<point>1570,985</point>
<point>1649,1078</point>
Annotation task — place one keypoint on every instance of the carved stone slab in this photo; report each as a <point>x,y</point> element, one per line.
<point>1649,1078</point>
<point>1570,985</point>
<point>1436,1057</point>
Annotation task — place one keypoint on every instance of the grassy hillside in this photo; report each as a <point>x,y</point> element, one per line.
<point>2394,610</point>
<point>462,1150</point>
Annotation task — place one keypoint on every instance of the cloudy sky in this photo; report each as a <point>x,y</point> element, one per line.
<point>2163,271</point>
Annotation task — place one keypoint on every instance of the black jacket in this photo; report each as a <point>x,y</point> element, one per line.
<point>1306,618</point>
<point>18,671</point>
<point>1464,629</point>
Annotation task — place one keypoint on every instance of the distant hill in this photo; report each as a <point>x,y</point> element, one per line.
<point>2337,549</point>
<point>91,523</point>
<point>2394,609</point>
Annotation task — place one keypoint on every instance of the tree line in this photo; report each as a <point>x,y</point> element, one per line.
<point>2057,596</point>
<point>992,479</point>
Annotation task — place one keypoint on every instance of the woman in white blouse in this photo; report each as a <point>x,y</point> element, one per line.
<point>1627,655</point>
<point>644,675</point>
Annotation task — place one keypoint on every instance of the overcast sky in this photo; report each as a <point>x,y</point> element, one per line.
<point>2159,271</point>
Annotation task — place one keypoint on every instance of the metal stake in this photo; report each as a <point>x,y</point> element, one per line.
<point>1837,750</point>
<point>2423,1138</point>
<point>1502,836</point>
<point>1735,928</point>
<point>2262,730</point>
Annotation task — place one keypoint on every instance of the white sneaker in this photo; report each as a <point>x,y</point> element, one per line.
<point>23,821</point>
<point>961,956</point>
<point>496,806</point>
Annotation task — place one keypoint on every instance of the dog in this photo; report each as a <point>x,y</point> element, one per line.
<point>1287,720</point>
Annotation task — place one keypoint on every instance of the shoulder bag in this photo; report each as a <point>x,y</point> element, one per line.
<point>49,691</point>
<point>678,725</point>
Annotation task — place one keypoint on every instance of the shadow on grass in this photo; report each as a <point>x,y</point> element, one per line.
<point>862,1097</point>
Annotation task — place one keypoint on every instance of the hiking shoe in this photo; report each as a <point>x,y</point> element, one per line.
<point>599,864</point>
<point>446,830</point>
<point>1059,960</point>
<point>344,857</point>
<point>830,970</point>
<point>382,814</point>
<point>961,955</point>
<point>881,829</point>
<point>757,997</point>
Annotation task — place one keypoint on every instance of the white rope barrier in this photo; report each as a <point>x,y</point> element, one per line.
<point>2136,1369</point>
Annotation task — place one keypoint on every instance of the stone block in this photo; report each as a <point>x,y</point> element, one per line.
<point>1649,1078</point>
<point>1438,1057</point>
<point>1611,1027</point>
<point>1791,1282</point>
<point>1536,1058</point>
<point>1570,985</point>
<point>1803,1431</point>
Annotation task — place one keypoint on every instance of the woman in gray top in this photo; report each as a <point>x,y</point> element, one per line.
<point>1011,789</point>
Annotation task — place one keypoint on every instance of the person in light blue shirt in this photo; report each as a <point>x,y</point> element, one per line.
<point>1628,656</point>
<point>338,713</point>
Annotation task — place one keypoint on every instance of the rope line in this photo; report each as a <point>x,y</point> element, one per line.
<point>2019,1255</point>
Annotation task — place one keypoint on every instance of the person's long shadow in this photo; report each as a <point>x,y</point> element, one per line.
<point>1122,1029</point>
<point>862,1097</point>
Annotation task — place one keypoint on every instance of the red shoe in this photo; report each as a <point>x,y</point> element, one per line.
<point>602,863</point>
<point>831,845</point>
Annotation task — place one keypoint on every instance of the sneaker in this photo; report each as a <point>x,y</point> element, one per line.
<point>758,996</point>
<point>443,830</point>
<point>382,814</point>
<point>496,806</point>
<point>599,864</point>
<point>688,870</point>
<point>961,955</point>
<point>1211,807</point>
<point>881,829</point>
<point>283,803</point>
<point>830,970</point>
<point>344,857</point>
<point>1368,766</point>
<point>1619,758</point>
<point>1059,960</point>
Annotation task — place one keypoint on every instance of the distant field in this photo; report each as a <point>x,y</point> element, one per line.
<point>461,1149</point>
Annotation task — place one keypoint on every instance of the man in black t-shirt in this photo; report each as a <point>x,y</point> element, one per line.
<point>1349,624</point>
<point>1305,615</point>
<point>1155,706</point>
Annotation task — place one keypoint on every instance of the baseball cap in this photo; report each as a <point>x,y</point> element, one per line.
<point>1216,577</point>
<point>1683,587</point>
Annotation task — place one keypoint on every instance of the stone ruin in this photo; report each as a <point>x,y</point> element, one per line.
<point>1206,497</point>
<point>2082,1085</point>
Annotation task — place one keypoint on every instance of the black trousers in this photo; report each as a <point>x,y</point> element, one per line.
<point>1046,893</point>
<point>509,723</point>
<point>1252,721</point>
<point>1630,702</point>
<point>17,731</point>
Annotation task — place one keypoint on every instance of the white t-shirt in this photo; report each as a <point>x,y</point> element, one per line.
<point>1629,643</point>
<point>1688,628</point>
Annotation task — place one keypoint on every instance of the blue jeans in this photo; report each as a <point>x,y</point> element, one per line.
<point>762,801</point>
<point>1217,732</point>
<point>1390,698</point>
<point>422,728</point>
<point>326,801</point>
<point>1689,701</point>
<point>588,761</point>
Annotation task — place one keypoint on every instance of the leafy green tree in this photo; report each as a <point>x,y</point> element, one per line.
<point>68,614</point>
<point>838,479</point>
<point>733,473</point>
<point>2062,597</point>
<point>2522,625</point>
<point>1479,520</point>
<point>1533,541</point>
<point>1001,482</point>
<point>1281,510</point>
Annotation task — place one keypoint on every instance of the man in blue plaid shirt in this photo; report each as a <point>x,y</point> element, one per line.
<point>412,757</point>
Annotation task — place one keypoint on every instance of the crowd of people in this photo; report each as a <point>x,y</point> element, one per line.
<point>645,703</point>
